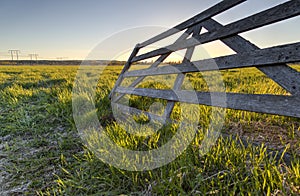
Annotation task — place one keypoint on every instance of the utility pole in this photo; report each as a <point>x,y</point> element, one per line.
<point>12,54</point>
<point>36,58</point>
<point>16,52</point>
<point>33,56</point>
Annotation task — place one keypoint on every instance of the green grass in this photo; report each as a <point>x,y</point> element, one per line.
<point>42,154</point>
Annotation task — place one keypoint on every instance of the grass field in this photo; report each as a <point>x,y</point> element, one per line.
<point>42,154</point>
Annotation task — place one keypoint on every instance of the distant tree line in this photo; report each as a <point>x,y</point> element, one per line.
<point>76,62</point>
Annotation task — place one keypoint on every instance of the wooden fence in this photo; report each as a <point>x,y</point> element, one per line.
<point>271,61</point>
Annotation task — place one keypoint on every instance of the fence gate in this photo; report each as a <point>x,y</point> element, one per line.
<point>271,61</point>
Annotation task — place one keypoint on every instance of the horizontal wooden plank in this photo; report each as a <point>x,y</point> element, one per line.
<point>133,111</point>
<point>125,111</point>
<point>282,74</point>
<point>269,56</point>
<point>270,104</point>
<point>272,15</point>
<point>214,10</point>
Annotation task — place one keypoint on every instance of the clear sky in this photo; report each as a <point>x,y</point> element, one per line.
<point>72,28</point>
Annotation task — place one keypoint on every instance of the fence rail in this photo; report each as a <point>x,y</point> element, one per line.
<point>271,61</point>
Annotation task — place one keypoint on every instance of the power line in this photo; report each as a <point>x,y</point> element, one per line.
<point>61,58</point>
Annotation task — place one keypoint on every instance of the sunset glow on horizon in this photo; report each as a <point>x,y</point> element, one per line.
<point>70,30</point>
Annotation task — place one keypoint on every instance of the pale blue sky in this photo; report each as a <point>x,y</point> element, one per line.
<point>72,28</point>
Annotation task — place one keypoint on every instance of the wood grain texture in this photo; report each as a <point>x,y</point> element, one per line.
<point>288,53</point>
<point>272,15</point>
<point>270,104</point>
<point>271,61</point>
<point>277,73</point>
